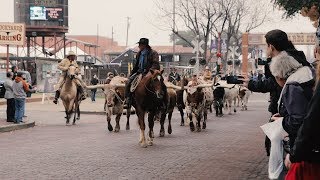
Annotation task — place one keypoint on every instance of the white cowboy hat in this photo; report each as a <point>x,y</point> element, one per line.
<point>207,67</point>
<point>71,53</point>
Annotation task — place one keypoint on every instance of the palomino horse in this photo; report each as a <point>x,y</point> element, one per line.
<point>148,97</point>
<point>70,96</point>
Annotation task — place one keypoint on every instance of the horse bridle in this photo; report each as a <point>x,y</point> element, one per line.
<point>152,79</point>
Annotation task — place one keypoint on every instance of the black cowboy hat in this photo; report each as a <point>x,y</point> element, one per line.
<point>143,41</point>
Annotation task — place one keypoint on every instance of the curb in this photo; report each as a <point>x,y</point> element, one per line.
<point>13,127</point>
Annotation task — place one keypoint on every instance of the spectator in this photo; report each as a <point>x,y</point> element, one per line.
<point>14,70</point>
<point>297,88</point>
<point>20,87</point>
<point>277,41</point>
<point>305,155</point>
<point>9,96</point>
<point>94,81</point>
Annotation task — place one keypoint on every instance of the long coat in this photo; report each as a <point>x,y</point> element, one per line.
<point>151,62</point>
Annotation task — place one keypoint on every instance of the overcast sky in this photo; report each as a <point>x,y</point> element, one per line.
<point>84,15</point>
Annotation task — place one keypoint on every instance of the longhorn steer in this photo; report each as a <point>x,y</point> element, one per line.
<point>244,95</point>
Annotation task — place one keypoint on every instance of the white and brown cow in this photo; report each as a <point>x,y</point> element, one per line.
<point>244,94</point>
<point>114,94</point>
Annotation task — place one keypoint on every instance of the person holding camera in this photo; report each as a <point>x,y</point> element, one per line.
<point>20,87</point>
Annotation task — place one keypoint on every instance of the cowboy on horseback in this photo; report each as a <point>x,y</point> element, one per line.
<point>146,59</point>
<point>64,66</point>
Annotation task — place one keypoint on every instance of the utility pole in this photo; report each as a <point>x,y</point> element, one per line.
<point>174,35</point>
<point>128,24</point>
<point>112,33</point>
<point>96,51</point>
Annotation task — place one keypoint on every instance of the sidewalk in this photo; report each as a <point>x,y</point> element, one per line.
<point>34,98</point>
<point>34,104</point>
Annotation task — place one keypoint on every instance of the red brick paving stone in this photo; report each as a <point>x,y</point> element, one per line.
<point>231,148</point>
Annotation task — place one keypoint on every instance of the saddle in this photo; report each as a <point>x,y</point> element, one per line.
<point>135,82</point>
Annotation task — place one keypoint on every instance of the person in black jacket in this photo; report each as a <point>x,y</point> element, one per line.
<point>278,41</point>
<point>297,82</point>
<point>94,81</point>
<point>305,154</point>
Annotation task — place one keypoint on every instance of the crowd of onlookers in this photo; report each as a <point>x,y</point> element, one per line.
<point>16,93</point>
<point>293,84</point>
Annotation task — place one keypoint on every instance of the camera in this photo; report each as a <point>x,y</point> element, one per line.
<point>234,79</point>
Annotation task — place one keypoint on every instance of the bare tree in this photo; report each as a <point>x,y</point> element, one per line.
<point>197,16</point>
<point>208,18</point>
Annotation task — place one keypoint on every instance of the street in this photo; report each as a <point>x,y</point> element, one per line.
<point>232,147</point>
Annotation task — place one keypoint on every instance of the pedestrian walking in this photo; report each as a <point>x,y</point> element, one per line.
<point>9,97</point>
<point>20,87</point>
<point>94,81</point>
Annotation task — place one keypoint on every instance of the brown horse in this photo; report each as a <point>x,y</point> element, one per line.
<point>70,96</point>
<point>148,97</point>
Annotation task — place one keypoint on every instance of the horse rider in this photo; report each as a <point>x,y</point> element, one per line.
<point>110,75</point>
<point>146,59</point>
<point>174,77</point>
<point>64,66</point>
<point>207,76</point>
<point>194,81</point>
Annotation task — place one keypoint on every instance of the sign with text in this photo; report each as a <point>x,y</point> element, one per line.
<point>45,2</point>
<point>296,38</point>
<point>12,33</point>
<point>54,13</point>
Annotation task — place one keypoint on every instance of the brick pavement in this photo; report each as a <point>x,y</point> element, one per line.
<point>230,148</point>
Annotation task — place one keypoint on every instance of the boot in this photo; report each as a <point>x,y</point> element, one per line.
<point>82,93</point>
<point>56,97</point>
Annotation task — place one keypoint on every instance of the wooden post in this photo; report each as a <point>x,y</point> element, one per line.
<point>7,68</point>
<point>245,48</point>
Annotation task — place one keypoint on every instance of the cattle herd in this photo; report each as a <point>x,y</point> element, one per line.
<point>193,101</point>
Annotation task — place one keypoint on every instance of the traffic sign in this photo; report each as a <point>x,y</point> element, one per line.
<point>197,46</point>
<point>233,51</point>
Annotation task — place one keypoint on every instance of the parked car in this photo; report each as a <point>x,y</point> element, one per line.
<point>2,79</point>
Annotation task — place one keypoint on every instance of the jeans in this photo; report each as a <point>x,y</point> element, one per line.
<point>10,110</point>
<point>19,104</point>
<point>93,95</point>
